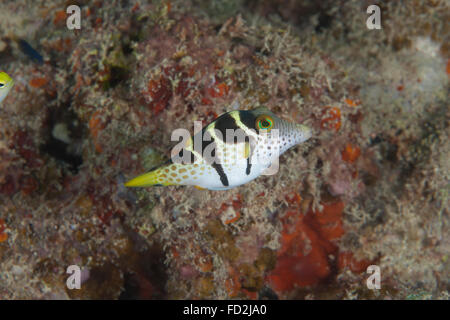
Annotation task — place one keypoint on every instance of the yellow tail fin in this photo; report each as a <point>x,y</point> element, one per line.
<point>155,177</point>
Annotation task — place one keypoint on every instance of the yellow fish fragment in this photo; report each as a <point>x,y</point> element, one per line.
<point>6,83</point>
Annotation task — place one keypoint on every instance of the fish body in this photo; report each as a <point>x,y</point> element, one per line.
<point>6,83</point>
<point>232,150</point>
<point>27,49</point>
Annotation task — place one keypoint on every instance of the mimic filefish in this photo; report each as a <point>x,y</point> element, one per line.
<point>232,150</point>
<point>6,83</point>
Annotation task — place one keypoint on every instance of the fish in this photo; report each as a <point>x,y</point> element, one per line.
<point>234,149</point>
<point>28,50</point>
<point>6,83</point>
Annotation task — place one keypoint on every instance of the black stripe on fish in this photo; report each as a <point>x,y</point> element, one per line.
<point>225,122</point>
<point>223,177</point>
<point>247,118</point>
<point>184,152</point>
<point>211,156</point>
<point>249,166</point>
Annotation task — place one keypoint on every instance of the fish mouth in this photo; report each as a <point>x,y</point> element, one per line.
<point>305,131</point>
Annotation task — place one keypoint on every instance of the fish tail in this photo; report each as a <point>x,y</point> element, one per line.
<point>152,178</point>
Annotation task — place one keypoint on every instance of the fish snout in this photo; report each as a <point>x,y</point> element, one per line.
<point>303,132</point>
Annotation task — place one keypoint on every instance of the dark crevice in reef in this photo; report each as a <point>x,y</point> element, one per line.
<point>267,293</point>
<point>295,11</point>
<point>324,22</point>
<point>147,279</point>
<point>63,136</point>
<point>119,60</point>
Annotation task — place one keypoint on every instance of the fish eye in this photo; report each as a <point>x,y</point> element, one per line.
<point>264,122</point>
<point>2,84</point>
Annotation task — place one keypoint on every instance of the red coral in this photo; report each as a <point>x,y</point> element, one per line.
<point>3,235</point>
<point>347,260</point>
<point>236,204</point>
<point>293,198</point>
<point>28,185</point>
<point>25,148</point>
<point>162,90</point>
<point>303,259</point>
<point>232,284</point>
<point>38,82</point>
<point>333,119</point>
<point>352,103</point>
<point>60,17</point>
<point>96,124</point>
<point>207,101</point>
<point>218,90</point>
<point>104,208</point>
<point>351,153</point>
<point>8,187</point>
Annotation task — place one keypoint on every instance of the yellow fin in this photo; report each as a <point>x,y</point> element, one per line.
<point>199,188</point>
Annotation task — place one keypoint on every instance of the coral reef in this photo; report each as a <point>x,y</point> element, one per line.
<point>370,187</point>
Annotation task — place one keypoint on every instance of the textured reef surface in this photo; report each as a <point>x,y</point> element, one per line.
<point>94,107</point>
